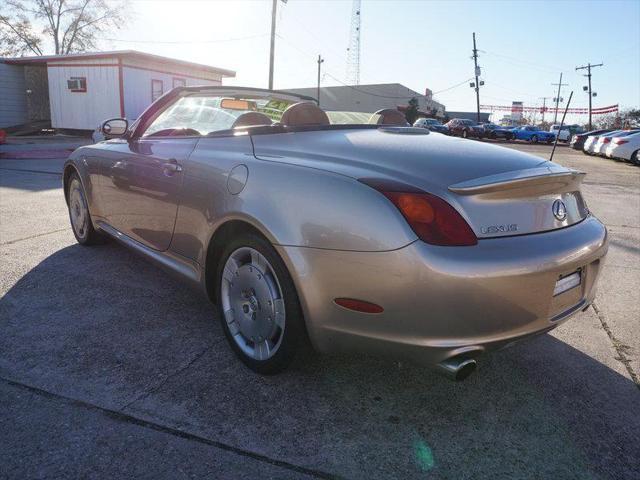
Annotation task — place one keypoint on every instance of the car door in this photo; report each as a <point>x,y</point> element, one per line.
<point>142,178</point>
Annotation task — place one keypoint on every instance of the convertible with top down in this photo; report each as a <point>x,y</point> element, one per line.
<point>340,231</point>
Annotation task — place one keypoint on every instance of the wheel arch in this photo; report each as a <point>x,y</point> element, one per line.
<point>221,235</point>
<point>215,248</point>
<point>69,169</point>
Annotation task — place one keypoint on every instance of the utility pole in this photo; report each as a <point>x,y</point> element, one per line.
<point>273,42</point>
<point>320,62</point>
<point>477,74</point>
<point>544,106</point>
<point>557,99</point>
<point>588,67</point>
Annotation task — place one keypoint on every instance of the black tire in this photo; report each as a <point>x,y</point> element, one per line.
<point>86,234</point>
<point>534,139</point>
<point>295,337</point>
<point>634,158</point>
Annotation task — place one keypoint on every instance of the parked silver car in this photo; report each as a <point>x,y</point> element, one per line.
<point>376,237</point>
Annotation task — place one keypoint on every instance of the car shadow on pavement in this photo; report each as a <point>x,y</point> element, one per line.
<point>21,179</point>
<point>103,326</point>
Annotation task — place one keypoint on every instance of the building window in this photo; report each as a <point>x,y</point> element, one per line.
<point>179,82</point>
<point>77,84</point>
<point>156,89</point>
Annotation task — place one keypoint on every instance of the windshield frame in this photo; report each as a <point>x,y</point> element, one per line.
<point>166,101</point>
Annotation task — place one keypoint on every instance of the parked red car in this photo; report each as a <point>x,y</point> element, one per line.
<point>465,128</point>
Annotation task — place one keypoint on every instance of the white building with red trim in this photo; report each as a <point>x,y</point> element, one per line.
<point>84,89</point>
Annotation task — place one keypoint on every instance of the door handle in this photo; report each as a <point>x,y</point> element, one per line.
<point>171,167</point>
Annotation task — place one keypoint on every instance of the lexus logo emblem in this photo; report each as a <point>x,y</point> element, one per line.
<point>559,210</point>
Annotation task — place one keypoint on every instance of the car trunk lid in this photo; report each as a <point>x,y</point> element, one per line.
<point>499,191</point>
<point>522,202</point>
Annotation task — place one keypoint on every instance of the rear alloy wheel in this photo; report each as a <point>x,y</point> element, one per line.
<point>258,304</point>
<point>534,139</point>
<point>79,214</point>
<point>464,134</point>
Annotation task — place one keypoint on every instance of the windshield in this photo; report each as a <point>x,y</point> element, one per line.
<point>204,113</point>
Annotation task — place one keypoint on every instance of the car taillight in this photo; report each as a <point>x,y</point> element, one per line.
<point>619,141</point>
<point>432,219</point>
<point>606,140</point>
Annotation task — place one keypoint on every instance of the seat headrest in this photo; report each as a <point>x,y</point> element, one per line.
<point>304,113</point>
<point>389,116</point>
<point>251,119</point>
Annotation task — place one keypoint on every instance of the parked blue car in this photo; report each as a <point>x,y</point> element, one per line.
<point>533,134</point>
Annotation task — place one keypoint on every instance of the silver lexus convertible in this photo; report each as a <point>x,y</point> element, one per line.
<point>341,231</point>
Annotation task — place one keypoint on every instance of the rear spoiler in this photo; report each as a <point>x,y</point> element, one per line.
<point>517,179</point>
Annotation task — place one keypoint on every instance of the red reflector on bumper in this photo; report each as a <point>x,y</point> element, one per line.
<point>358,305</point>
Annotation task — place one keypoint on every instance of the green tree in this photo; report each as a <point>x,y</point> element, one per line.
<point>411,113</point>
<point>30,26</point>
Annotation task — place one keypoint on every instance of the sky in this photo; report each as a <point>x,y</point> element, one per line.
<point>523,45</point>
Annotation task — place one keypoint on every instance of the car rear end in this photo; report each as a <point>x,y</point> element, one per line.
<point>590,144</point>
<point>490,245</point>
<point>497,259</point>
<point>623,147</point>
<point>601,144</point>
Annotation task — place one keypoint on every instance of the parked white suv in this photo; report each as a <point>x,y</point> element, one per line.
<point>567,132</point>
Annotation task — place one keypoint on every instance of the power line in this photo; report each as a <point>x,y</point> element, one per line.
<point>358,89</point>
<point>453,86</point>
<point>518,60</point>
<point>181,42</point>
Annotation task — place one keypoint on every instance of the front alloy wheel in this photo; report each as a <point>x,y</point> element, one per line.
<point>259,307</point>
<point>534,139</point>
<point>79,214</point>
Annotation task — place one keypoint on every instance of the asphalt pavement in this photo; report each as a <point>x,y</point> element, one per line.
<point>111,368</point>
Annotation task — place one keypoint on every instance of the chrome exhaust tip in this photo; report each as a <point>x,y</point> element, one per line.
<point>457,369</point>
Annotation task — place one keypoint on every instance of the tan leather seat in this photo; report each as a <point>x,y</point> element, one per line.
<point>304,113</point>
<point>389,116</point>
<point>251,119</point>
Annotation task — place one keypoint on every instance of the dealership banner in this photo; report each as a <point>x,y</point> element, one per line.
<point>575,111</point>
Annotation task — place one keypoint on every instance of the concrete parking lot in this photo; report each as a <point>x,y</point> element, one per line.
<point>110,368</point>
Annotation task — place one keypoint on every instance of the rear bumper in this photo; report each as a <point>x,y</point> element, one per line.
<point>440,302</point>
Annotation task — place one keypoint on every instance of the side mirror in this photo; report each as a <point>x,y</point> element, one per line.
<point>115,127</point>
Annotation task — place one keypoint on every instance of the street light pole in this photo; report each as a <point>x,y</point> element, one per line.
<point>320,62</point>
<point>475,62</point>
<point>544,106</point>
<point>560,85</point>
<point>588,75</point>
<point>273,42</point>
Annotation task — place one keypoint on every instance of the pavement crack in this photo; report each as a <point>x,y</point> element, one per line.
<point>621,349</point>
<point>117,415</point>
<point>11,242</point>
<point>150,390</point>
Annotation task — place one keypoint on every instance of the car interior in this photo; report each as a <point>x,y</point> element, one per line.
<point>206,115</point>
